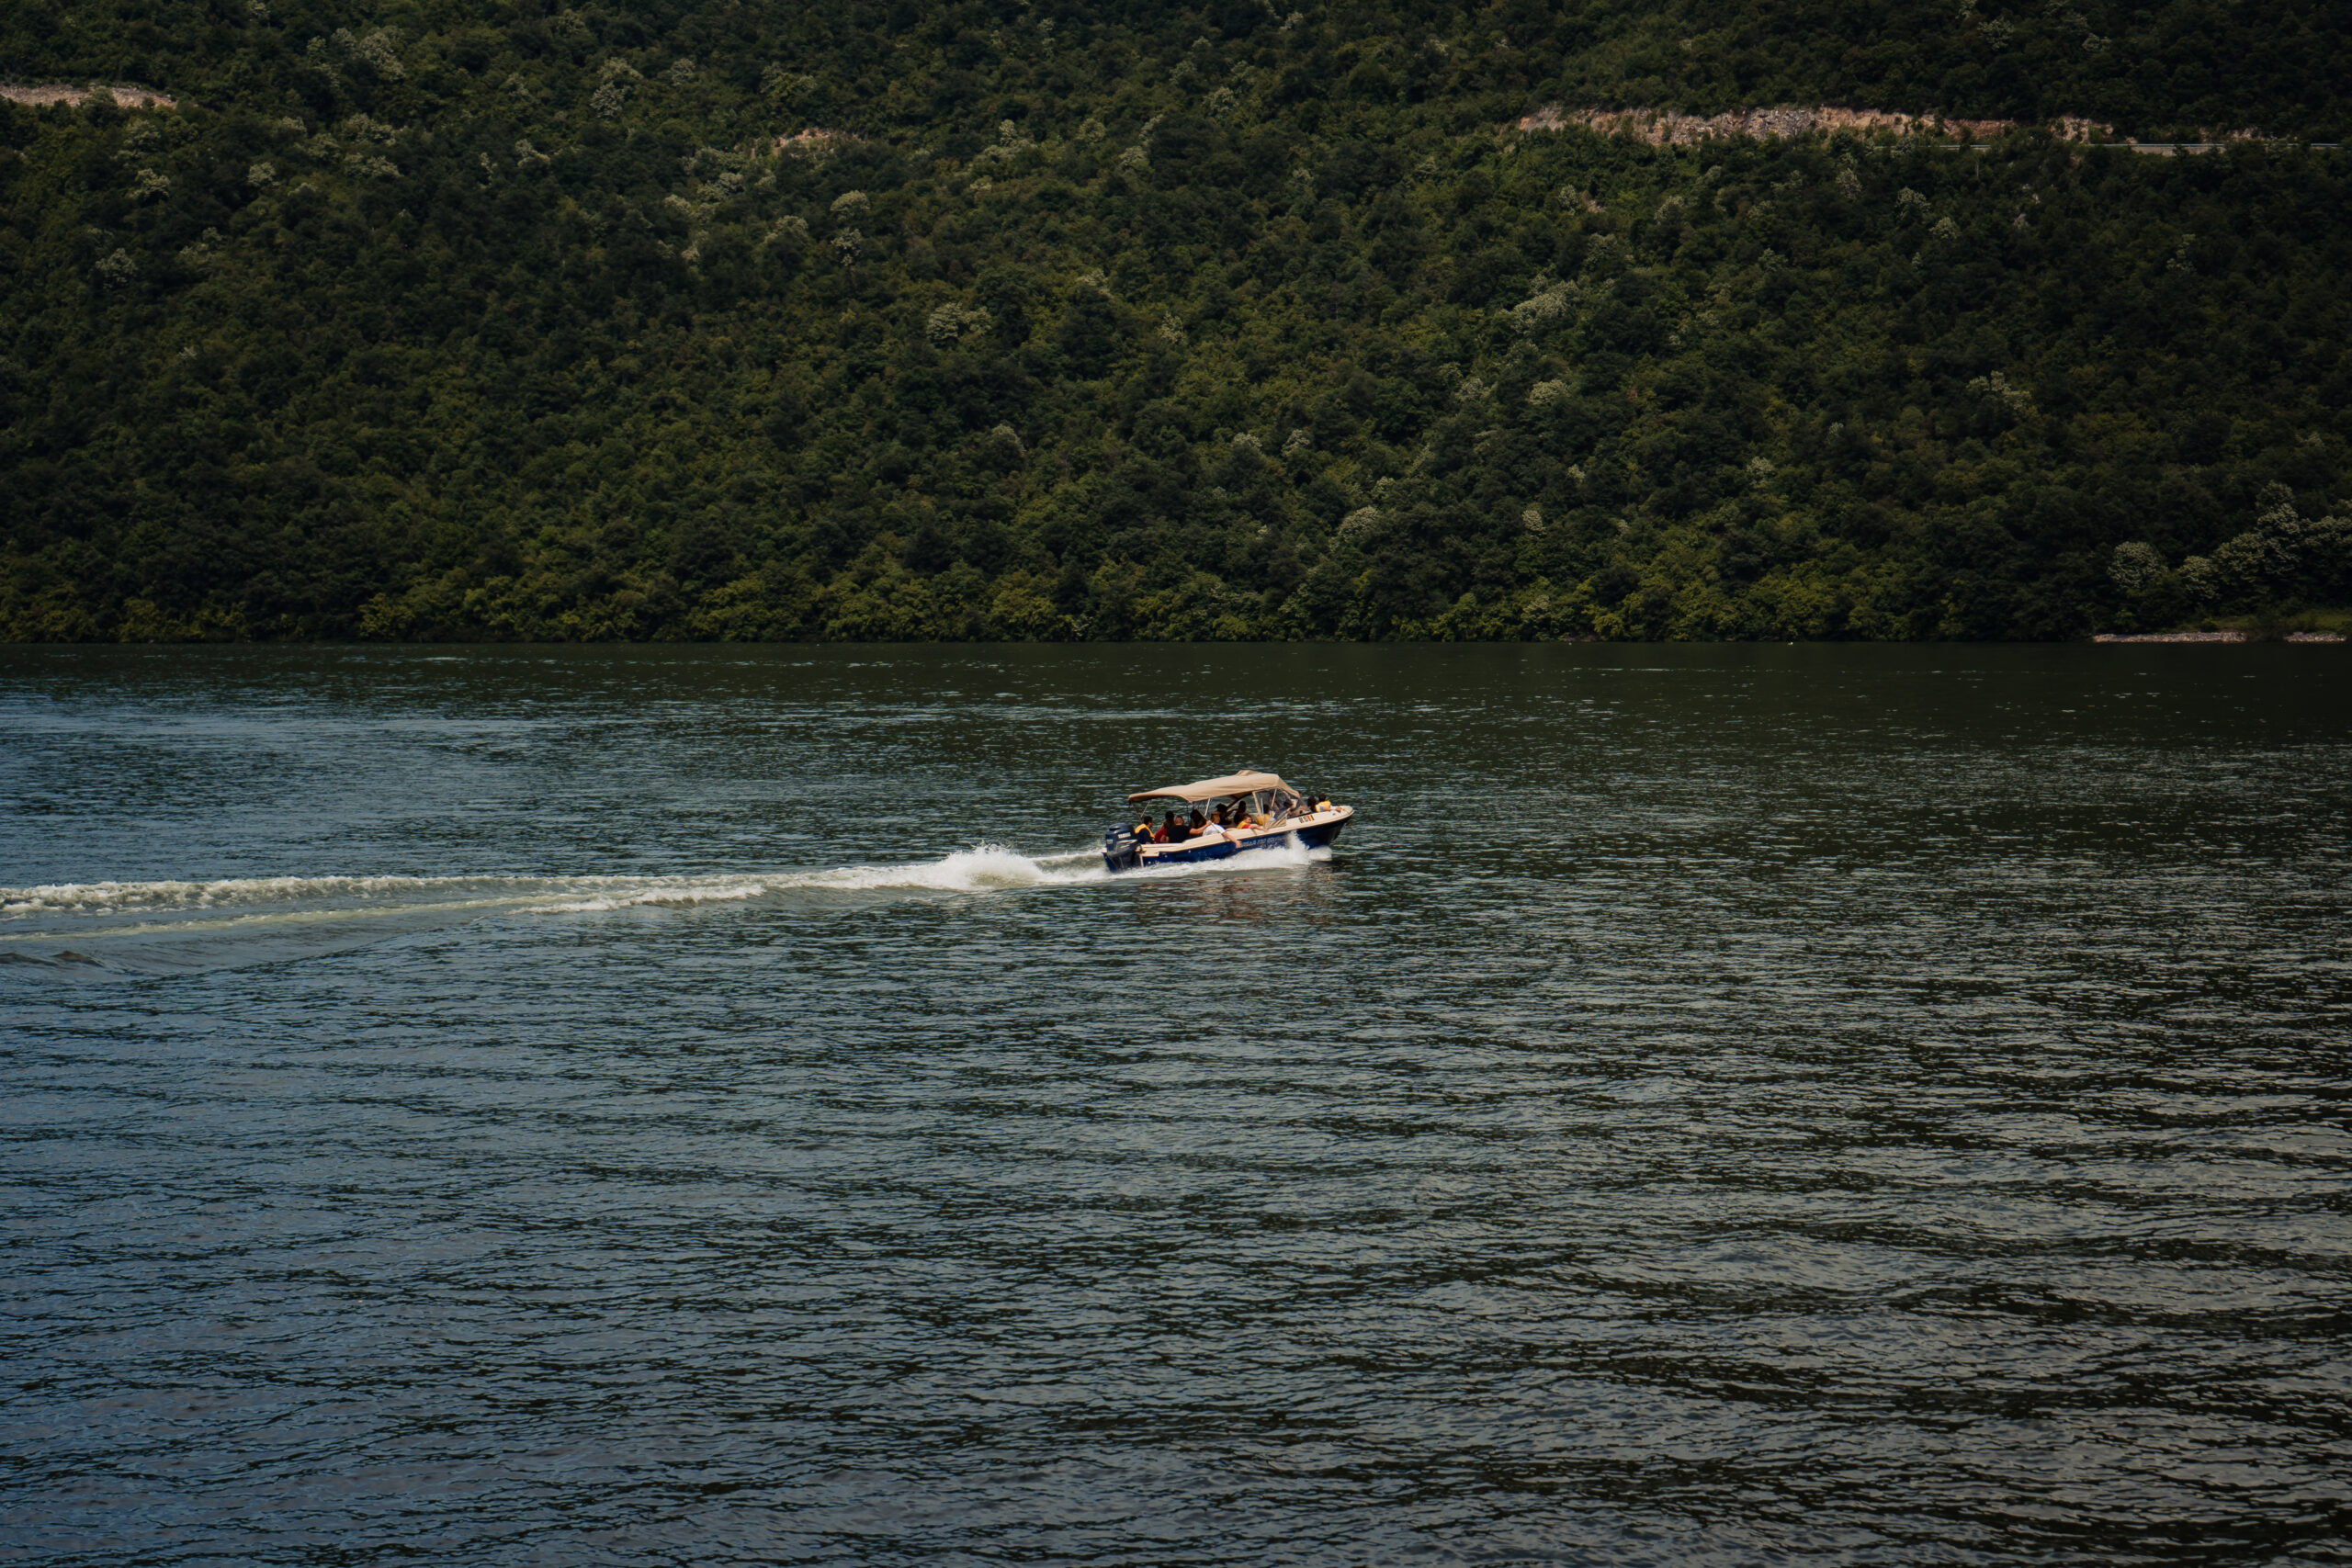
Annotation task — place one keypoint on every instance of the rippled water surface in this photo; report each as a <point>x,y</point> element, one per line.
<point>1839,1104</point>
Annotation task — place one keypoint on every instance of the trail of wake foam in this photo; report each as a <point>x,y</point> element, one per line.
<point>984,868</point>
<point>134,898</point>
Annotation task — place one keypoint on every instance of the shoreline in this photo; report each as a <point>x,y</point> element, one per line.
<point>2214,637</point>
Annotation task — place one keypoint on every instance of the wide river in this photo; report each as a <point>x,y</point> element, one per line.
<point>1840,1104</point>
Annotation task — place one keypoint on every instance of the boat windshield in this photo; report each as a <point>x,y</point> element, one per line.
<point>1260,808</point>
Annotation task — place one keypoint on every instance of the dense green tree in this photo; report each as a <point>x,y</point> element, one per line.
<point>856,321</point>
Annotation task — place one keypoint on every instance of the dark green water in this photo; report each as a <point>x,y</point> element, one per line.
<point>1738,1104</point>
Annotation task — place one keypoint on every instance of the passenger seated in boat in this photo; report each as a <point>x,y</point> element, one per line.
<point>1198,825</point>
<point>1173,830</point>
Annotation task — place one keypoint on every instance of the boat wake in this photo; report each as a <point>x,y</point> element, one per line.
<point>89,930</point>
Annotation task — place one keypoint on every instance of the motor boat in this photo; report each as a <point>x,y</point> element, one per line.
<point>1251,811</point>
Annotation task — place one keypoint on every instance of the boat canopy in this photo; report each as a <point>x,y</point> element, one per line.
<point>1209,789</point>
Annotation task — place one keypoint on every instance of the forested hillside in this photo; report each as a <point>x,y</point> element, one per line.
<point>1030,320</point>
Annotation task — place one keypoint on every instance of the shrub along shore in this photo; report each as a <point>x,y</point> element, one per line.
<point>959,325</point>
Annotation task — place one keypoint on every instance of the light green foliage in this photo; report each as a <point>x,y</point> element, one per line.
<point>2137,567</point>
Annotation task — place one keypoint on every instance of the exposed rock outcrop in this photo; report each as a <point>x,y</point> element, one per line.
<point>52,94</point>
<point>1663,128</point>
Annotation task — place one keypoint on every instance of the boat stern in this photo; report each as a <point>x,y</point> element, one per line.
<point>1119,848</point>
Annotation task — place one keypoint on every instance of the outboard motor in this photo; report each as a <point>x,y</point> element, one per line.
<point>1119,844</point>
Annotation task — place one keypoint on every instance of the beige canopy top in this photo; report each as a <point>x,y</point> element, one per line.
<point>1209,789</point>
